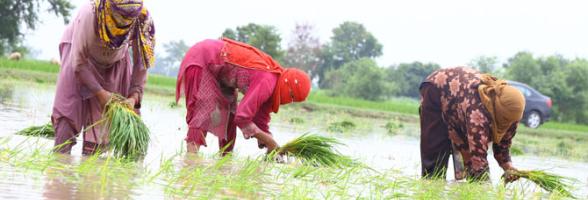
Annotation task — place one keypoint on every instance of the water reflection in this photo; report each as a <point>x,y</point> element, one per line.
<point>5,92</point>
<point>90,178</point>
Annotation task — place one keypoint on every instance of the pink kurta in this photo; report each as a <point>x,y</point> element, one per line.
<point>210,87</point>
<point>88,66</point>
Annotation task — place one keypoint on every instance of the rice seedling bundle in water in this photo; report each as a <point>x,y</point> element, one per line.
<point>315,150</point>
<point>45,130</point>
<point>128,135</point>
<point>548,181</point>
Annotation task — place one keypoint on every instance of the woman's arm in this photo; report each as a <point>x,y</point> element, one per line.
<point>478,136</point>
<point>138,78</point>
<point>252,114</point>
<point>502,149</point>
<point>83,35</point>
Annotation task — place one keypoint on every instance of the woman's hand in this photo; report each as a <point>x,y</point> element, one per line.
<point>131,102</point>
<point>103,97</point>
<point>266,140</point>
<point>508,177</point>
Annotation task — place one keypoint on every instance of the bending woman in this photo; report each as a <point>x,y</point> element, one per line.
<point>96,61</point>
<point>469,110</point>
<point>212,73</point>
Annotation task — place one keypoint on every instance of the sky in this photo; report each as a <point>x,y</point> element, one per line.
<point>447,32</point>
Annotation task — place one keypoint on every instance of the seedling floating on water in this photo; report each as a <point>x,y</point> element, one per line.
<point>315,150</point>
<point>341,127</point>
<point>174,104</point>
<point>296,120</point>
<point>38,131</point>
<point>393,126</point>
<point>547,181</point>
<point>128,135</point>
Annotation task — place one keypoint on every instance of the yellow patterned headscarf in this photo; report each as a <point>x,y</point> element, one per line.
<point>119,21</point>
<point>504,102</point>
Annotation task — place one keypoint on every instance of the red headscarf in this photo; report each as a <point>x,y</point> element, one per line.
<point>293,86</point>
<point>247,56</point>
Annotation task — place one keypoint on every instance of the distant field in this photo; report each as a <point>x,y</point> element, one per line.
<point>400,105</point>
<point>31,65</point>
<point>566,126</point>
<point>47,67</point>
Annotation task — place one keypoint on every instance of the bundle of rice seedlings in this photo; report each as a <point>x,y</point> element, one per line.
<point>548,181</point>
<point>38,131</point>
<point>315,150</point>
<point>128,135</point>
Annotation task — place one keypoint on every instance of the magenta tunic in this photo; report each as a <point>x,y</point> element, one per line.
<point>211,87</point>
<point>88,66</point>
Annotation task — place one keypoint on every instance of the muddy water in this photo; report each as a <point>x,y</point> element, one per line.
<point>22,106</point>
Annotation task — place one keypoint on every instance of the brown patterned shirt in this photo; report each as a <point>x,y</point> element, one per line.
<point>467,119</point>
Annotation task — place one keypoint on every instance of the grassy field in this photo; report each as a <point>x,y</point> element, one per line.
<point>399,105</point>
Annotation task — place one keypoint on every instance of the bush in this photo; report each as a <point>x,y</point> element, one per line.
<point>361,78</point>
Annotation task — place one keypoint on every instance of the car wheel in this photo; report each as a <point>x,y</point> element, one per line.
<point>533,120</point>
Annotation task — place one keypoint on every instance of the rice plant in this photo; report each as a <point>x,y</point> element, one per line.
<point>548,181</point>
<point>315,150</point>
<point>341,127</point>
<point>45,130</point>
<point>128,135</point>
<point>393,126</point>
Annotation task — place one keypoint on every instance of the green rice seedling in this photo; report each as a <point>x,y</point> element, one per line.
<point>548,181</point>
<point>296,120</point>
<point>341,127</point>
<point>173,104</point>
<point>45,130</point>
<point>314,150</point>
<point>128,135</point>
<point>393,126</point>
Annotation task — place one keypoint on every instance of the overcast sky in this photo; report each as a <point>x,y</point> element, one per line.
<point>448,32</point>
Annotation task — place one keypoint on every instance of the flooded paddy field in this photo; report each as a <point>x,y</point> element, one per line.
<point>385,143</point>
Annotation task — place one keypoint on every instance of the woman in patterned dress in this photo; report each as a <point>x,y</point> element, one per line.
<point>463,110</point>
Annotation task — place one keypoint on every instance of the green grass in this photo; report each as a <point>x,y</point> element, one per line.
<point>41,69</point>
<point>400,105</point>
<point>565,126</point>
<point>162,81</point>
<point>29,65</point>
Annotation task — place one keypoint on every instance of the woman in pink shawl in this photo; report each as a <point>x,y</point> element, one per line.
<point>96,62</point>
<point>212,73</point>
